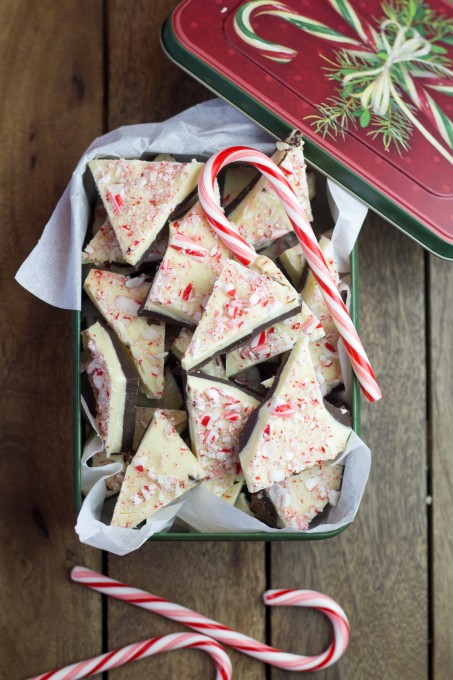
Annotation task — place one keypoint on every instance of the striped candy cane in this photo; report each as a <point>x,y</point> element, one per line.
<point>246,254</point>
<point>227,636</point>
<point>141,650</point>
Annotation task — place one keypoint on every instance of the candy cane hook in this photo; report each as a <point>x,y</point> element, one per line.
<point>227,636</point>
<point>302,227</point>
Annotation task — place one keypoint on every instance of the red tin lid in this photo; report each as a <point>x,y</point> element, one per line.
<point>370,85</point>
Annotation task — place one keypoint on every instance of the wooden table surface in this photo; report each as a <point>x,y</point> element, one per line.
<point>68,72</point>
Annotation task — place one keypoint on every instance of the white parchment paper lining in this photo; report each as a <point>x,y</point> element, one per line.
<point>52,272</point>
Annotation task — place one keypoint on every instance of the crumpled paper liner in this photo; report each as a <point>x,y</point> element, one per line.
<point>52,272</point>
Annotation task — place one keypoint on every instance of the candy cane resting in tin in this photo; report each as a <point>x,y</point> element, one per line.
<point>246,254</point>
<point>227,636</point>
<point>141,650</point>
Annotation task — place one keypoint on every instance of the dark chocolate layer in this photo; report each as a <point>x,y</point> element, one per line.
<point>249,336</point>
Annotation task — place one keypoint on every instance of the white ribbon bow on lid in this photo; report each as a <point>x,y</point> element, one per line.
<point>408,45</point>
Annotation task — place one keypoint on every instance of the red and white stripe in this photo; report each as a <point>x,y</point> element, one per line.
<point>141,650</point>
<point>227,636</point>
<point>246,254</point>
<point>185,245</point>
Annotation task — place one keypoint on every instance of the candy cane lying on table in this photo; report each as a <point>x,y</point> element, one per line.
<point>141,650</point>
<point>227,636</point>
<point>246,254</point>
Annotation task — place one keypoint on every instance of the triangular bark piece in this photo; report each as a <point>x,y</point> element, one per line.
<point>162,470</point>
<point>273,341</point>
<point>184,281</point>
<point>139,197</point>
<point>244,301</point>
<point>118,298</point>
<point>299,499</point>
<point>260,217</point>
<point>292,430</point>
<point>217,412</point>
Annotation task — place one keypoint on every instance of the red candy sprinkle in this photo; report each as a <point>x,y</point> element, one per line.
<point>330,347</point>
<point>205,420</point>
<point>232,415</point>
<point>187,291</point>
<point>284,410</point>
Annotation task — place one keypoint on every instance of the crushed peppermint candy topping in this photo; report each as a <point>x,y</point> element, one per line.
<point>119,303</point>
<point>303,431</point>
<point>181,288</point>
<point>242,298</point>
<point>299,499</point>
<point>273,341</point>
<point>214,437</point>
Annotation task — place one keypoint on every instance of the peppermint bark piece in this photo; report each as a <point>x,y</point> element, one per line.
<point>292,430</point>
<point>244,301</point>
<point>118,298</point>
<point>103,247</point>
<point>237,179</point>
<point>299,499</point>
<point>215,368</point>
<point>145,414</point>
<point>162,470</point>
<point>294,261</point>
<point>139,196</point>
<point>115,386</point>
<point>260,217</point>
<point>194,259</point>
<point>324,351</point>
<point>227,488</point>
<point>217,412</point>
<point>273,341</point>
<point>112,484</point>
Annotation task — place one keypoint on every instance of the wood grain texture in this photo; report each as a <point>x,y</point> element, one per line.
<point>222,580</point>
<point>376,569</point>
<point>50,79</point>
<point>441,313</point>
<point>144,86</point>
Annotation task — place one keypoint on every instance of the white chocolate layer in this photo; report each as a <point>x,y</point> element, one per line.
<point>293,430</point>
<point>162,470</point>
<point>299,499</point>
<point>139,196</point>
<point>294,262</point>
<point>144,416</point>
<point>217,413</point>
<point>260,217</point>
<point>215,368</point>
<point>194,259</point>
<point>118,298</point>
<point>273,341</point>
<point>227,487</point>
<point>242,300</point>
<point>109,386</point>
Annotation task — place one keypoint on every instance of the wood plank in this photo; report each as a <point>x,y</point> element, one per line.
<point>222,580</point>
<point>144,86</point>
<point>51,84</point>
<point>441,316</point>
<point>377,569</point>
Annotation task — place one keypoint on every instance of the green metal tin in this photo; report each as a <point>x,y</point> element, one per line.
<point>189,536</point>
